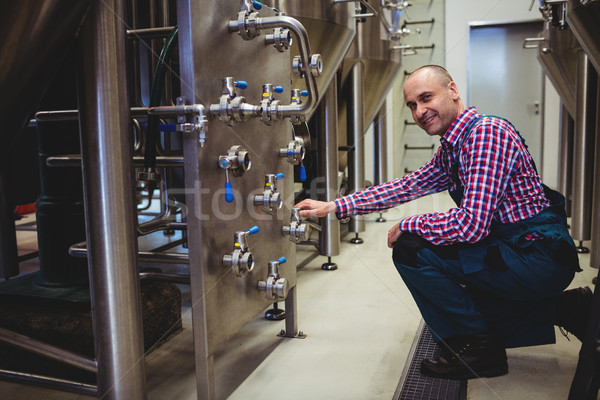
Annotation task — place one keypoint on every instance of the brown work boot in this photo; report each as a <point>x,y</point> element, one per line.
<point>466,357</point>
<point>573,309</point>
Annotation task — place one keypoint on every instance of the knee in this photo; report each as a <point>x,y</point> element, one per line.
<point>406,248</point>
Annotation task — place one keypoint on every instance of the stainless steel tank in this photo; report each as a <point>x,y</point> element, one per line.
<point>584,22</point>
<point>558,57</point>
<point>330,27</point>
<point>30,59</point>
<point>369,70</point>
<point>382,61</point>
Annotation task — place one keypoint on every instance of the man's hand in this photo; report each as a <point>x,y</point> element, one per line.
<point>393,235</point>
<point>315,208</point>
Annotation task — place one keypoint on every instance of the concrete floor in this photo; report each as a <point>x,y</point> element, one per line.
<point>360,322</point>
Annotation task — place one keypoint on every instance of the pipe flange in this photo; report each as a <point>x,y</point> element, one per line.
<point>298,67</point>
<point>246,25</point>
<point>316,65</point>
<point>237,114</point>
<point>281,39</point>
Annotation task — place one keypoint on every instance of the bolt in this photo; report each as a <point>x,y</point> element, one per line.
<point>282,332</point>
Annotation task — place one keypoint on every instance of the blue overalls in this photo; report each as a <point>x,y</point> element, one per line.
<point>507,281</point>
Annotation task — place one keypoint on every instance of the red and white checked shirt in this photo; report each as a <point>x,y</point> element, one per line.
<point>495,168</point>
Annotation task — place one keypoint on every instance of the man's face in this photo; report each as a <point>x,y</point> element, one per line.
<point>434,104</point>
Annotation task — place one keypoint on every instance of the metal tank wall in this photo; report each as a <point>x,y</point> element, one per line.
<point>244,141</point>
<point>331,29</point>
<point>369,69</point>
<point>23,83</point>
<point>568,53</point>
<point>233,115</point>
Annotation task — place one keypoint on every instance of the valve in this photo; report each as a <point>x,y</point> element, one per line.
<point>315,65</point>
<point>241,260</point>
<point>294,151</point>
<point>238,162</point>
<point>297,95</point>
<point>275,287</point>
<point>231,108</point>
<point>297,229</point>
<point>271,199</point>
<point>268,104</point>
<point>191,118</point>
<point>281,39</point>
<point>250,5</point>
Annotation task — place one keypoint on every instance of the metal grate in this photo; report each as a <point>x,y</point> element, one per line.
<point>416,386</point>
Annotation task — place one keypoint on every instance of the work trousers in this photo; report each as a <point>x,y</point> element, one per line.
<point>504,282</point>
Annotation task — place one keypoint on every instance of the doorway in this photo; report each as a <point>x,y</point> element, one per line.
<point>506,80</point>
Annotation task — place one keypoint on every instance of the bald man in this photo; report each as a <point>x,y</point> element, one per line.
<point>489,273</point>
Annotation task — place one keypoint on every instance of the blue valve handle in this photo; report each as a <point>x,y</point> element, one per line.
<point>304,93</point>
<point>167,127</point>
<point>241,84</point>
<point>302,173</point>
<point>278,89</point>
<point>256,4</point>
<point>280,175</point>
<point>281,260</point>
<point>253,230</point>
<point>228,192</point>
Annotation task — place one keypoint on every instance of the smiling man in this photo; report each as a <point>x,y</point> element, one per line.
<point>489,273</point>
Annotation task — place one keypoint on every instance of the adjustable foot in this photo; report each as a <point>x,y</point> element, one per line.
<point>275,313</point>
<point>356,239</point>
<point>380,218</point>
<point>329,266</point>
<point>299,335</point>
<point>581,249</point>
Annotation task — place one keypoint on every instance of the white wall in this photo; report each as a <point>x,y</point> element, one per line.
<point>458,15</point>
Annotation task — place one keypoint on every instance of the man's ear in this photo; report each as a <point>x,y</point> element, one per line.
<point>453,89</point>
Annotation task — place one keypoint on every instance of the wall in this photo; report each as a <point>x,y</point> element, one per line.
<point>458,15</point>
<point>402,134</point>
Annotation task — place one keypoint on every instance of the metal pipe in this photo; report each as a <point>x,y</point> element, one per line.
<point>583,162</point>
<point>565,175</point>
<point>149,33</point>
<point>74,160</point>
<point>595,219</point>
<point>49,382</point>
<point>308,106</point>
<point>380,146</point>
<point>106,148</point>
<point>73,115</point>
<point>80,250</point>
<point>356,159</point>
<point>48,351</point>
<point>174,278</point>
<point>327,144</point>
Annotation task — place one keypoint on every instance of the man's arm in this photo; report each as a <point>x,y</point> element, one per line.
<point>315,208</point>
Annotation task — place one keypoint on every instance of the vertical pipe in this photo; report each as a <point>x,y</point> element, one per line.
<point>9,265</point>
<point>595,220</point>
<point>380,146</point>
<point>356,158</point>
<point>199,259</point>
<point>565,175</point>
<point>106,148</point>
<point>583,149</point>
<point>328,163</point>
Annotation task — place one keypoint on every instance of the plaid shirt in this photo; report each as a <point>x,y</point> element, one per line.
<point>495,168</point>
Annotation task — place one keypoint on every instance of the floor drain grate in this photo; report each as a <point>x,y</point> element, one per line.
<point>416,386</point>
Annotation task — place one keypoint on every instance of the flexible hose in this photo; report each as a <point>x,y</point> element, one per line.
<point>155,96</point>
